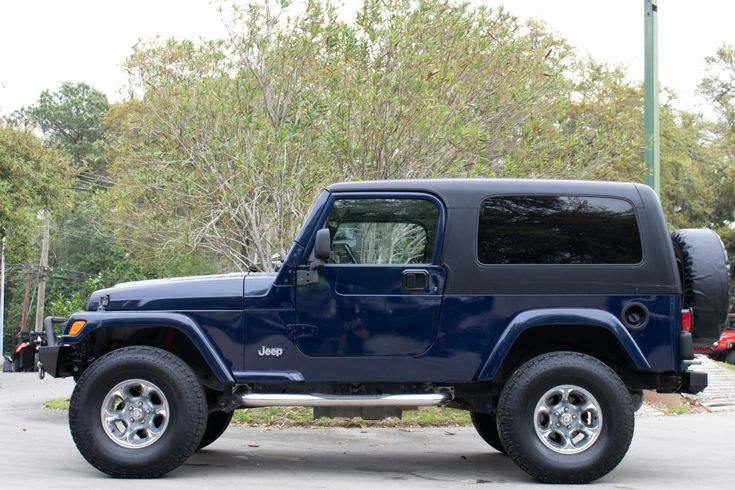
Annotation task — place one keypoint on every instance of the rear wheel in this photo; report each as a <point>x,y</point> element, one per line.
<point>487,426</point>
<point>565,417</point>
<point>137,412</point>
<point>730,357</point>
<point>217,424</point>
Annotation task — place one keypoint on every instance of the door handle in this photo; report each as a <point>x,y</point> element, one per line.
<point>415,280</point>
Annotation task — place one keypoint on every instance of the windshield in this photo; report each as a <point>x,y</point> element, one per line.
<point>730,322</point>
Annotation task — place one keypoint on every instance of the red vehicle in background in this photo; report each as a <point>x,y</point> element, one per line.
<point>724,348</point>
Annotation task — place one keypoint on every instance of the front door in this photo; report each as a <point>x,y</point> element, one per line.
<point>380,292</point>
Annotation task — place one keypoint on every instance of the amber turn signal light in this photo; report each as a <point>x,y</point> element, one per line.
<point>76,327</point>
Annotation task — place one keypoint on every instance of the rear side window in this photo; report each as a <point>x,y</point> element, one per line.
<point>558,230</point>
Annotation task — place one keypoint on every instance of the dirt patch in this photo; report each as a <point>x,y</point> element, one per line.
<point>673,403</point>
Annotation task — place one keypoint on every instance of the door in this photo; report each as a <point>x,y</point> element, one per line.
<point>380,291</point>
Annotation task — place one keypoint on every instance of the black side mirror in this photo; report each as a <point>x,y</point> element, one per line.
<point>322,245</point>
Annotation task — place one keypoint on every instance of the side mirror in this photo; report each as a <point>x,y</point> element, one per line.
<point>322,245</point>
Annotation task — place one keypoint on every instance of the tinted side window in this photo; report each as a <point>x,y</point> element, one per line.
<point>383,231</point>
<point>557,230</point>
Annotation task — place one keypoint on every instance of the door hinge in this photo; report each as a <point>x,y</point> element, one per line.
<point>304,277</point>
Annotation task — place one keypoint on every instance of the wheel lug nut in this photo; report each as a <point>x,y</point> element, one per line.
<point>558,424</point>
<point>574,417</point>
<point>569,426</point>
<point>566,409</point>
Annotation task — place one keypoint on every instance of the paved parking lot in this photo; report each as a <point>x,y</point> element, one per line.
<point>36,451</point>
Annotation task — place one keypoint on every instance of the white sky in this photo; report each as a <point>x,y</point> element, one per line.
<point>46,42</point>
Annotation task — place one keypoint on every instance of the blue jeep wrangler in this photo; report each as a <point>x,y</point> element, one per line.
<point>542,307</point>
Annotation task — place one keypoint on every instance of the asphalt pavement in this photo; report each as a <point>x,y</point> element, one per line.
<point>36,451</point>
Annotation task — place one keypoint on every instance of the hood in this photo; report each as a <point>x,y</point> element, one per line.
<point>211,292</point>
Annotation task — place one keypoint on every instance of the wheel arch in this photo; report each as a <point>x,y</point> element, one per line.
<point>175,332</point>
<point>588,331</point>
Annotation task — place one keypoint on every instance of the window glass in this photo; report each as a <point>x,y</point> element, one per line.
<point>557,230</point>
<point>383,231</point>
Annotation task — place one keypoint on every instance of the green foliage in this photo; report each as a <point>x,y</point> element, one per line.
<point>71,118</point>
<point>64,305</point>
<point>33,178</point>
<point>57,404</point>
<point>719,86</point>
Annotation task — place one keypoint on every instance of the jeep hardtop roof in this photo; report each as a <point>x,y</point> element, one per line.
<point>467,192</point>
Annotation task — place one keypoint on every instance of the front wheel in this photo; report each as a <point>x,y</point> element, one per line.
<point>730,357</point>
<point>137,412</point>
<point>565,417</point>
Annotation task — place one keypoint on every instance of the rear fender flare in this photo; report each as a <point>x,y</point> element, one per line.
<point>526,320</point>
<point>184,324</point>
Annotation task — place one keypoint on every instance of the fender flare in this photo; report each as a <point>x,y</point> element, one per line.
<point>183,323</point>
<point>526,320</point>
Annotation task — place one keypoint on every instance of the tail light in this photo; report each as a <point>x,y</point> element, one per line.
<point>687,319</point>
<point>22,346</point>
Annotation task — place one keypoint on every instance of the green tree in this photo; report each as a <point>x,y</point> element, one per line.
<point>719,86</point>
<point>71,118</point>
<point>33,177</point>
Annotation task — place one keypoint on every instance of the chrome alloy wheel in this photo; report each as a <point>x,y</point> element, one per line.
<point>567,419</point>
<point>135,413</point>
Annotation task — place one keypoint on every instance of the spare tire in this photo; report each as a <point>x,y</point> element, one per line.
<point>705,277</point>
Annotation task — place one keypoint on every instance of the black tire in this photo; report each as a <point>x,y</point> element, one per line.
<point>217,424</point>
<point>17,368</point>
<point>486,425</point>
<point>518,417</point>
<point>730,357</point>
<point>705,275</point>
<point>187,412</point>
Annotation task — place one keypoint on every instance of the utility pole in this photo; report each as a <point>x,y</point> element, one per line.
<point>42,273</point>
<point>650,96</point>
<point>26,300</point>
<point>2,299</point>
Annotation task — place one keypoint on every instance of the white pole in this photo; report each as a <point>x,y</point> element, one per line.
<point>2,302</point>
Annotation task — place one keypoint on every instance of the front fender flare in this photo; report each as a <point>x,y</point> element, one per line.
<point>559,316</point>
<point>184,324</point>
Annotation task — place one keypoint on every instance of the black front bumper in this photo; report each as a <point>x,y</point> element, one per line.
<point>48,359</point>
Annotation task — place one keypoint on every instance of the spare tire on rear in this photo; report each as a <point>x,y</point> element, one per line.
<point>705,275</point>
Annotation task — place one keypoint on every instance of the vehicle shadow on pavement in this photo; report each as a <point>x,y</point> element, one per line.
<point>468,467</point>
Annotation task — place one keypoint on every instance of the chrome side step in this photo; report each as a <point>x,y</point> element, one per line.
<point>323,400</point>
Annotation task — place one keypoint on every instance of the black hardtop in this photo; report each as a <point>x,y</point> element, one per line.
<point>656,274</point>
<point>462,192</point>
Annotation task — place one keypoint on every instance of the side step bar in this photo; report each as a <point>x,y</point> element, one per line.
<point>323,400</point>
